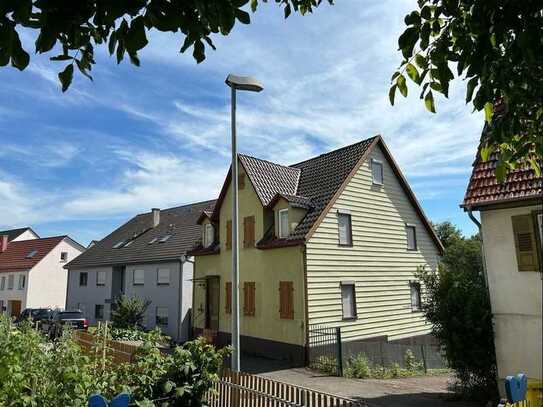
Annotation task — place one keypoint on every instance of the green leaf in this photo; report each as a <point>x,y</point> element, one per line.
<point>535,166</point>
<point>287,10</point>
<point>489,112</point>
<point>254,4</point>
<point>429,102</point>
<point>199,51</point>
<point>82,69</point>
<point>61,58</point>
<point>392,94</point>
<point>421,61</point>
<point>112,43</point>
<point>486,150</point>
<point>402,86</point>
<point>472,84</point>
<point>501,172</point>
<point>135,38</point>
<point>66,77</point>
<point>394,76</point>
<point>412,73</point>
<point>436,86</point>
<point>243,17</point>
<point>407,41</point>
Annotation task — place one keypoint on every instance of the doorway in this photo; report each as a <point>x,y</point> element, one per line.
<point>14,308</point>
<point>212,303</point>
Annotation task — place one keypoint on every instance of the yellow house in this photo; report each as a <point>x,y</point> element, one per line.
<point>512,229</point>
<point>334,240</point>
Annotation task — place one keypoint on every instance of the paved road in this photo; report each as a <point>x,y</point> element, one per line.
<point>407,392</point>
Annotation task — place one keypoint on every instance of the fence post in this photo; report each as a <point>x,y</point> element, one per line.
<point>423,359</point>
<point>339,352</point>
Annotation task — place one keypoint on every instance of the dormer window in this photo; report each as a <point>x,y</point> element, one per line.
<point>208,235</point>
<point>31,254</point>
<point>283,223</point>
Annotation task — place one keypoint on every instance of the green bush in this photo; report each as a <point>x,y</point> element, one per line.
<point>358,367</point>
<point>128,312</point>
<point>37,372</point>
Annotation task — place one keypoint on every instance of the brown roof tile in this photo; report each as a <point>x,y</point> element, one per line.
<point>16,255</point>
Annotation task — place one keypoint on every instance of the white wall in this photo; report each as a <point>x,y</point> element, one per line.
<point>516,297</point>
<point>47,280</point>
<point>14,294</point>
<point>26,235</point>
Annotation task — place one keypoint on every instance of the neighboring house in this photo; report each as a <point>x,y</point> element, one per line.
<point>31,271</point>
<point>145,258</point>
<point>334,240</point>
<point>512,230</point>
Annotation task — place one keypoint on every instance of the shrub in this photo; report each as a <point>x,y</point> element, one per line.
<point>358,367</point>
<point>128,312</point>
<point>410,361</point>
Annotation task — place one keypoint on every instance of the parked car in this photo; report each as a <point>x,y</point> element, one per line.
<point>34,314</point>
<point>58,319</point>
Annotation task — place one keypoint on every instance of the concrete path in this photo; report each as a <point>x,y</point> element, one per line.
<point>406,392</point>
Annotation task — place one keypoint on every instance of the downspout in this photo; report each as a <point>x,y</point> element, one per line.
<point>483,258</point>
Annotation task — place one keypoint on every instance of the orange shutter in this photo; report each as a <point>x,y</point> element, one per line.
<point>229,234</point>
<point>228,299</point>
<point>249,299</point>
<point>286,300</point>
<point>249,231</point>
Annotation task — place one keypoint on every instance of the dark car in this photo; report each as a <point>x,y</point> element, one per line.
<point>34,314</point>
<point>58,319</point>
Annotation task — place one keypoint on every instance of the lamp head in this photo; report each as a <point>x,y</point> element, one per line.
<point>247,83</point>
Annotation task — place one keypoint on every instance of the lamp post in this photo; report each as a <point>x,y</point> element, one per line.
<point>250,84</point>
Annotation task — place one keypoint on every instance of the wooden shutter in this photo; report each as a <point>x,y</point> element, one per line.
<point>525,243</point>
<point>241,181</point>
<point>286,300</point>
<point>249,231</point>
<point>229,234</point>
<point>249,298</point>
<point>228,298</point>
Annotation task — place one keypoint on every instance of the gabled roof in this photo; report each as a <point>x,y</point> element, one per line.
<point>16,257</point>
<point>15,233</point>
<point>314,184</point>
<point>179,223</point>
<point>484,189</point>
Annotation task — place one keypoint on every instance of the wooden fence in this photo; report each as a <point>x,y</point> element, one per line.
<point>246,390</point>
<point>118,351</point>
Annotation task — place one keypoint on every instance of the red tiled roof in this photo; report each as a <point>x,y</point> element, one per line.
<point>15,257</point>
<point>484,189</point>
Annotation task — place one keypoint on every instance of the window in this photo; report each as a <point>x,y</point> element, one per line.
<point>22,281</point>
<point>249,232</point>
<point>377,172</point>
<point>229,234</point>
<point>286,300</point>
<point>249,299</point>
<point>164,239</point>
<point>99,311</point>
<point>208,235</point>
<point>64,257</point>
<point>283,223</point>
<point>11,279</point>
<point>525,242</point>
<point>101,278</point>
<point>344,229</point>
<point>163,277</point>
<point>153,240</point>
<point>161,316</point>
<point>241,181</point>
<point>31,254</point>
<point>415,296</point>
<point>139,277</point>
<point>348,300</point>
<point>411,232</point>
<point>3,283</point>
<point>228,298</point>
<point>83,277</point>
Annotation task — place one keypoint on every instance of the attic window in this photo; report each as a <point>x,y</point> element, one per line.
<point>209,235</point>
<point>31,254</point>
<point>165,239</point>
<point>153,240</point>
<point>283,223</point>
<point>377,172</point>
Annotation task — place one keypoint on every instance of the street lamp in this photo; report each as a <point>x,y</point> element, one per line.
<point>250,84</point>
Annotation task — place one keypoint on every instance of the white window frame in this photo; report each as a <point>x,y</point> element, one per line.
<point>209,232</point>
<point>159,319</point>
<point>100,281</point>
<point>351,287</point>
<point>414,247</point>
<point>163,276</point>
<point>379,163</point>
<point>138,277</point>
<point>345,214</point>
<point>22,282</point>
<point>415,292</point>
<point>282,233</point>
<point>63,257</point>
<point>11,281</point>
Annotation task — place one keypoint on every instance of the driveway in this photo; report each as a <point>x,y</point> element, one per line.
<point>426,391</point>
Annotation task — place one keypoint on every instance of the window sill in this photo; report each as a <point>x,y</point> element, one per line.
<point>416,310</point>
<point>345,244</point>
<point>161,284</point>
<point>349,318</point>
<point>412,250</point>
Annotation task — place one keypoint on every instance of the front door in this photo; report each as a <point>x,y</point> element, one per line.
<point>212,303</point>
<point>15,307</point>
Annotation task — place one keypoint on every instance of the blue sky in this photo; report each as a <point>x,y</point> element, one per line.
<point>83,162</point>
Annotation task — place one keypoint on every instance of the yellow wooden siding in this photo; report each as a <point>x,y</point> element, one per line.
<point>378,261</point>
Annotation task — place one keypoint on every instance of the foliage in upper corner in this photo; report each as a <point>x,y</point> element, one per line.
<point>75,28</point>
<point>494,45</point>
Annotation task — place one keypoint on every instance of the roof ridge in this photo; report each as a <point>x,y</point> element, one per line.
<point>39,238</point>
<point>179,206</point>
<point>334,151</point>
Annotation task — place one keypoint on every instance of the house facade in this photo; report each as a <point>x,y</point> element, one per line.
<point>144,258</point>
<point>31,270</point>
<point>335,240</point>
<point>511,227</point>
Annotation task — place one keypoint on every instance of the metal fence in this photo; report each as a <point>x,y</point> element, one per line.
<point>325,351</point>
<point>246,390</point>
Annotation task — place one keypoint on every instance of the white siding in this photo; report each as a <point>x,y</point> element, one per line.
<point>378,262</point>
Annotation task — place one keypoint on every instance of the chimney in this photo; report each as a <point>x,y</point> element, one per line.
<point>3,243</point>
<point>156,216</point>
